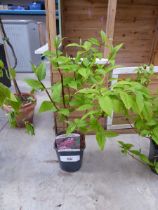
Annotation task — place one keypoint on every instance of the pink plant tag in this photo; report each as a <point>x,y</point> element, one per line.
<point>67,142</point>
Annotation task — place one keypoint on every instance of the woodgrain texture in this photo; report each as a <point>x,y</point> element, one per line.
<point>110,24</point>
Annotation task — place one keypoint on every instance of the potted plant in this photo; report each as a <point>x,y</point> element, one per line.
<point>18,106</point>
<point>147,124</point>
<point>82,89</point>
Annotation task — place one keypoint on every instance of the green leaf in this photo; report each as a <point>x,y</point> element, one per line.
<point>56,92</point>
<point>34,84</point>
<point>126,99</point>
<point>12,119</point>
<point>71,127</point>
<point>147,110</point>
<point>12,73</point>
<point>87,45</point>
<point>155,134</point>
<point>94,41</point>
<point>156,166</point>
<point>1,64</point>
<point>4,93</point>
<point>57,42</point>
<point>62,60</point>
<point>101,138</point>
<point>85,107</point>
<point>81,124</point>
<point>140,101</point>
<point>85,72</point>
<point>85,62</point>
<point>73,85</point>
<point>155,138</point>
<point>29,128</point>
<point>1,73</point>
<point>103,37</point>
<point>106,104</point>
<point>87,91</point>
<point>117,105</point>
<point>41,71</point>
<point>113,52</point>
<point>14,104</point>
<point>64,112</point>
<point>47,106</point>
<point>145,159</point>
<point>125,147</point>
<point>73,45</point>
<point>110,134</point>
<point>118,47</point>
<point>135,152</point>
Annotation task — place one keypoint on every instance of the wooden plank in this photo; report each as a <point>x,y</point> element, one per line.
<point>110,24</point>
<point>51,21</point>
<point>51,26</point>
<point>51,33</point>
<point>154,47</point>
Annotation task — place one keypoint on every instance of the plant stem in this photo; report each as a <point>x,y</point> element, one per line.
<point>62,84</point>
<point>49,95</point>
<point>17,90</point>
<point>131,126</point>
<point>136,158</point>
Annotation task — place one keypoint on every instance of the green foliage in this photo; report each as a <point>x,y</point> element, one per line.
<point>1,64</point>
<point>81,87</point>
<point>47,106</point>
<point>29,128</point>
<point>12,119</point>
<point>146,123</point>
<point>103,37</point>
<point>12,73</point>
<point>34,84</point>
<point>106,105</point>
<point>40,71</point>
<point>127,149</point>
<point>144,74</point>
<point>56,92</point>
<point>4,94</point>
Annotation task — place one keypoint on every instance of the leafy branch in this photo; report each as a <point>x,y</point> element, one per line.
<point>127,149</point>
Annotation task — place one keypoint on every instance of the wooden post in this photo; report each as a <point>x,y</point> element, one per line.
<point>154,47</point>
<point>51,34</point>
<point>50,21</point>
<point>51,26</point>
<point>110,23</point>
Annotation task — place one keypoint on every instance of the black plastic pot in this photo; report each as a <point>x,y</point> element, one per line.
<point>71,160</point>
<point>153,153</point>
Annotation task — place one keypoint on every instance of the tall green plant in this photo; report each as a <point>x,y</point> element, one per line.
<point>82,87</point>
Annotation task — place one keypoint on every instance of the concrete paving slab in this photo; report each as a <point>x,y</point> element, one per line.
<point>30,177</point>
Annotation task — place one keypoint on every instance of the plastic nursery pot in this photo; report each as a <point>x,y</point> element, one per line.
<point>26,111</point>
<point>70,160</point>
<point>153,153</point>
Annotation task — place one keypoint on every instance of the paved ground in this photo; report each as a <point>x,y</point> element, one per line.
<point>30,178</point>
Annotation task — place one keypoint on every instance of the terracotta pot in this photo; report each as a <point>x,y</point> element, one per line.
<point>26,111</point>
